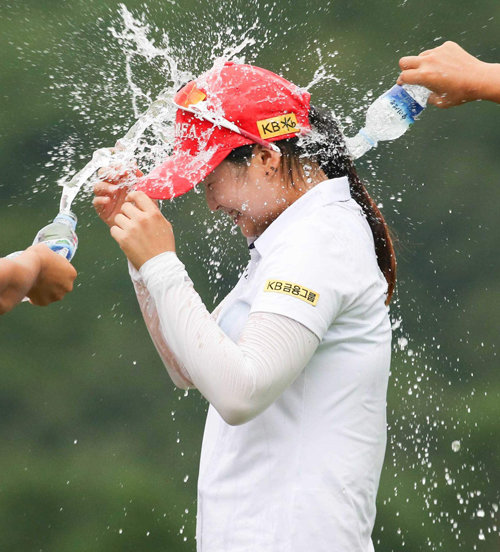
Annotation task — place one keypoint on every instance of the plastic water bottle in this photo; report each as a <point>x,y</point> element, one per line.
<point>60,235</point>
<point>389,117</point>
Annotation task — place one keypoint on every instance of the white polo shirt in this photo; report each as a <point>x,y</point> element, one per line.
<point>303,475</point>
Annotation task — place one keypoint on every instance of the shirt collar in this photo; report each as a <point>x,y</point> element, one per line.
<point>324,193</point>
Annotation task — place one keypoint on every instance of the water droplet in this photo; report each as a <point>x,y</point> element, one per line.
<point>402,343</point>
<point>455,446</point>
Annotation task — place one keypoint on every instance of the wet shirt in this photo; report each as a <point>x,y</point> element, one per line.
<point>303,474</point>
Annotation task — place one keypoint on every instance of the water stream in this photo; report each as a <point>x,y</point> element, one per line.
<point>121,154</point>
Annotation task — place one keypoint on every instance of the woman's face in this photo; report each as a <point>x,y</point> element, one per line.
<point>253,196</point>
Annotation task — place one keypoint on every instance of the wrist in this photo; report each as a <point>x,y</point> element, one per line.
<point>31,260</point>
<point>490,85</point>
<point>157,263</point>
<point>138,261</point>
<point>163,271</point>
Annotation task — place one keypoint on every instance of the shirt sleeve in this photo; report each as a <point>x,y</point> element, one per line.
<point>311,275</point>
<point>239,379</point>
<point>176,371</point>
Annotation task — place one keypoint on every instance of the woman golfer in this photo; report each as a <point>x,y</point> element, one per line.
<point>295,360</point>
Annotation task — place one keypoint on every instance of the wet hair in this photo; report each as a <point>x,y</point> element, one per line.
<point>326,147</point>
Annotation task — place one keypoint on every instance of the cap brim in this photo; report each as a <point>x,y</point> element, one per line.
<point>180,173</point>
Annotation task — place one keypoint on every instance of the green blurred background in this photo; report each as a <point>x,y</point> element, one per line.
<point>98,451</point>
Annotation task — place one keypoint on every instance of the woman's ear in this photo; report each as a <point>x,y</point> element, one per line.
<point>266,159</point>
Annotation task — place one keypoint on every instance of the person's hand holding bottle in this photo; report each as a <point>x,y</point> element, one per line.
<point>37,273</point>
<point>454,76</point>
<point>55,277</point>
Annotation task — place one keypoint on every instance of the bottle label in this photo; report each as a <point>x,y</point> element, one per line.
<point>407,108</point>
<point>62,247</point>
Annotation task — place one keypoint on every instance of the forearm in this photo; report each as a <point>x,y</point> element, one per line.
<point>175,370</point>
<point>17,277</point>
<point>239,379</point>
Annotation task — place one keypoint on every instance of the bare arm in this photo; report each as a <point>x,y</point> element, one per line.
<point>37,273</point>
<point>453,75</point>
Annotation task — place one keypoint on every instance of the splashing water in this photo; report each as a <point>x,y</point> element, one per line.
<point>424,416</point>
<point>160,110</point>
<point>122,154</point>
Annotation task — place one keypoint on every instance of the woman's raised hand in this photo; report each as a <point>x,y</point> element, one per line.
<point>110,193</point>
<point>141,230</point>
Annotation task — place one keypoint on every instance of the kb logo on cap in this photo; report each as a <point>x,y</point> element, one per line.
<point>278,126</point>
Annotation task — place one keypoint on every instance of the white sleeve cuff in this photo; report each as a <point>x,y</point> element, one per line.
<point>134,274</point>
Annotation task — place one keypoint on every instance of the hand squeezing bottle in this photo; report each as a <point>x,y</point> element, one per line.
<point>389,117</point>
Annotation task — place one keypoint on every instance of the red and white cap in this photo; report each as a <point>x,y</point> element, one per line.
<point>229,106</point>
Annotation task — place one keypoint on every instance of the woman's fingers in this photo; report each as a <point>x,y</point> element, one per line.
<point>134,211</point>
<point>100,204</point>
<point>122,221</point>
<point>141,201</point>
<point>108,201</point>
<point>130,210</point>
<point>111,191</point>
<point>120,174</point>
<point>111,174</point>
<point>141,230</point>
<point>101,200</point>
<point>101,188</point>
<point>114,170</point>
<point>117,233</point>
<point>105,188</point>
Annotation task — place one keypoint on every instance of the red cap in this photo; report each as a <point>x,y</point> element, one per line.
<point>264,106</point>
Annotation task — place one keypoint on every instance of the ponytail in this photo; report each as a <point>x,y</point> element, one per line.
<point>334,159</point>
<point>384,249</point>
<point>326,145</point>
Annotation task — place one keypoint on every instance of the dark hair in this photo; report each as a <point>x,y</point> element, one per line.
<point>326,146</point>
